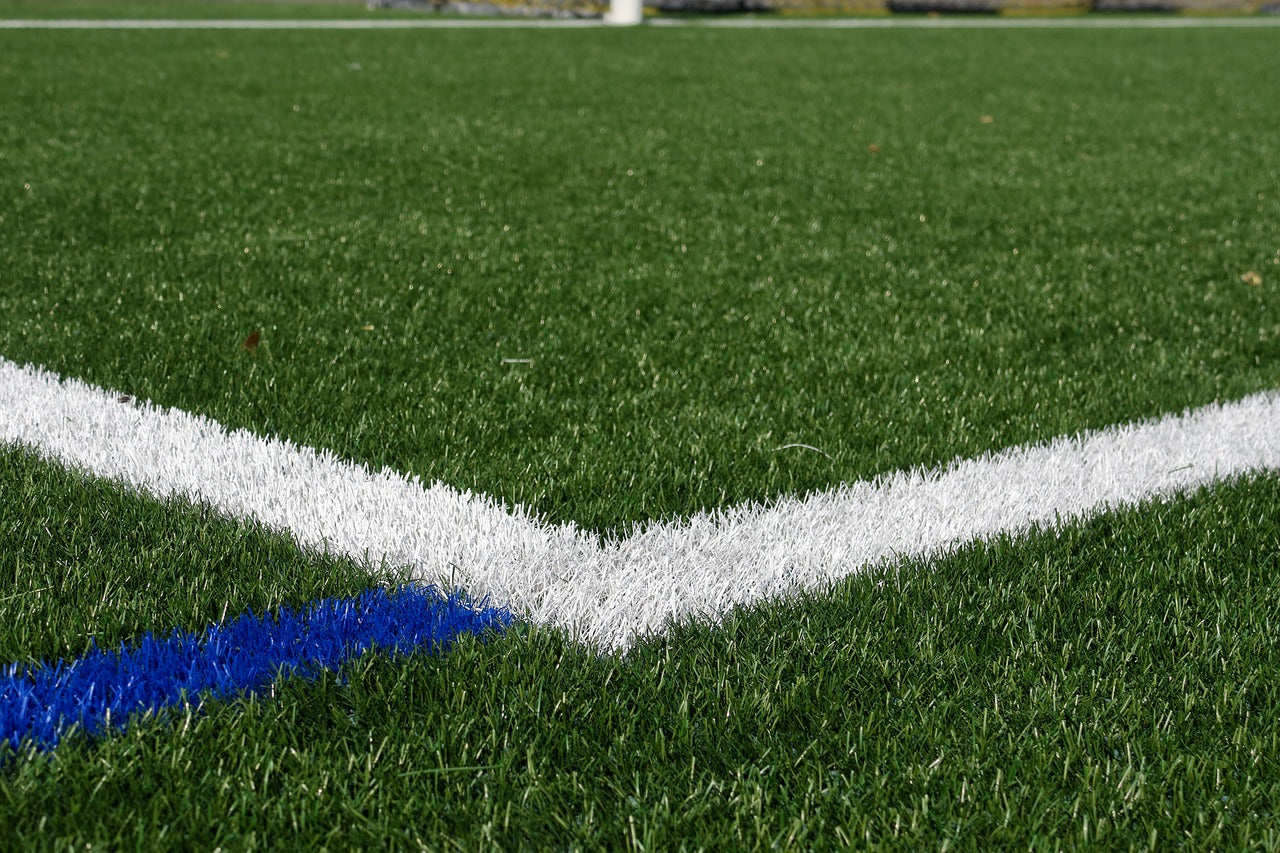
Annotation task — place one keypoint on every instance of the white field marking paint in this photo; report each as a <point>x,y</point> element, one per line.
<point>1084,22</point>
<point>285,24</point>
<point>609,592</point>
<point>941,23</point>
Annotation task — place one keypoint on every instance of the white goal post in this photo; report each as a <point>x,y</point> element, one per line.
<point>624,12</point>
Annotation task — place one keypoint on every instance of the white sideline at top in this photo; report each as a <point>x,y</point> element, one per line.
<point>609,592</point>
<point>746,22</point>
<point>976,22</point>
<point>285,24</point>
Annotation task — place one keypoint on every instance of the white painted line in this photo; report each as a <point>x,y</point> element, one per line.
<point>977,22</point>
<point>981,22</point>
<point>283,24</point>
<point>609,592</point>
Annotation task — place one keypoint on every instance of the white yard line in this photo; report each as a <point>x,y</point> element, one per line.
<point>282,24</point>
<point>609,592</point>
<point>747,22</point>
<point>975,22</point>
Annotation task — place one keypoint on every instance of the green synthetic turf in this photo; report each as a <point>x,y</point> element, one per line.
<point>1111,683</point>
<point>685,231</point>
<point>689,236</point>
<point>83,559</point>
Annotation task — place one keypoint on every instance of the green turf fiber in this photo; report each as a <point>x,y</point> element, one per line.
<point>1110,683</point>
<point>687,234</point>
<point>685,231</point>
<point>84,559</point>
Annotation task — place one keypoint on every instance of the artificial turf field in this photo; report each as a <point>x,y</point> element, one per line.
<point>611,276</point>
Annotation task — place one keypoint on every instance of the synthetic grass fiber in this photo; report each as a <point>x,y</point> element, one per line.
<point>619,276</point>
<point>1112,682</point>
<point>683,233</point>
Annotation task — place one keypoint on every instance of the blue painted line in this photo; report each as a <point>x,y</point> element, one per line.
<point>104,689</point>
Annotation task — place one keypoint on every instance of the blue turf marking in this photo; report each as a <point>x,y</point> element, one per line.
<point>103,689</point>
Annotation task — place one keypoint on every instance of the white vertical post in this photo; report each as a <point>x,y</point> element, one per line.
<point>624,12</point>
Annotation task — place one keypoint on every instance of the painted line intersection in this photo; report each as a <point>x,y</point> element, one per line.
<point>607,592</point>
